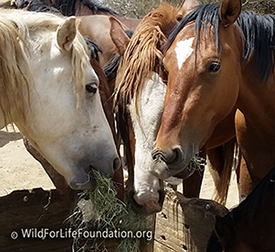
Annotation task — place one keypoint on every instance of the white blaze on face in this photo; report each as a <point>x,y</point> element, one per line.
<point>146,128</point>
<point>184,50</point>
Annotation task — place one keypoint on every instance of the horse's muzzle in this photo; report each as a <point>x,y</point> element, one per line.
<point>149,207</point>
<point>116,164</point>
<point>165,165</point>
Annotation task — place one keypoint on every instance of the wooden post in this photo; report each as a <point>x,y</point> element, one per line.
<point>185,224</point>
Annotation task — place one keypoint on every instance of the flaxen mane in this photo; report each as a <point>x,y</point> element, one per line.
<point>21,33</point>
<point>143,53</point>
<point>14,69</point>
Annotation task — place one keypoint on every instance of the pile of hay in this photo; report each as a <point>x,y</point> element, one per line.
<point>99,209</point>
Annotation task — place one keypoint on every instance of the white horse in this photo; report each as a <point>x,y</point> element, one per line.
<point>50,92</point>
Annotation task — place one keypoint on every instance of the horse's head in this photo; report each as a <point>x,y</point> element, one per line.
<point>203,52</point>
<point>64,118</point>
<point>140,92</point>
<point>138,124</point>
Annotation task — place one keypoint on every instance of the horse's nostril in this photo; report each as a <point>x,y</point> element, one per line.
<point>156,154</point>
<point>173,157</point>
<point>116,164</point>
<point>176,156</point>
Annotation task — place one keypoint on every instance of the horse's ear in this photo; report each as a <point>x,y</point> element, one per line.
<point>66,33</point>
<point>118,35</point>
<point>230,11</point>
<point>188,6</point>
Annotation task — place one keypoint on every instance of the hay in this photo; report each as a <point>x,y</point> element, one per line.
<point>197,163</point>
<point>99,209</point>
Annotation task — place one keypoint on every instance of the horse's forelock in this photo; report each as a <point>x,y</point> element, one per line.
<point>258,32</point>
<point>15,71</point>
<point>80,61</point>
<point>202,15</point>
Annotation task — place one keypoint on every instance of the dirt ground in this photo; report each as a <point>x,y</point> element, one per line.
<point>19,170</point>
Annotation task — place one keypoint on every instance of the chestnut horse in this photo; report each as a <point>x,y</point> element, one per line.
<point>141,86</point>
<point>250,226</point>
<point>140,94</point>
<point>97,28</point>
<point>215,66</point>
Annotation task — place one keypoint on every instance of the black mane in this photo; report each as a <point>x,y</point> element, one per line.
<point>258,32</point>
<point>245,208</point>
<point>93,49</point>
<point>253,200</point>
<point>66,7</point>
<point>97,7</point>
<point>38,7</point>
<point>204,13</point>
<point>214,244</point>
<point>112,66</point>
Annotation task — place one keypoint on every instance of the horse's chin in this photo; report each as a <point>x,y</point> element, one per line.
<point>149,207</point>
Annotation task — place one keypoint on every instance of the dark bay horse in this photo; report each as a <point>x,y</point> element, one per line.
<point>250,226</point>
<point>97,28</point>
<point>75,8</point>
<point>215,66</point>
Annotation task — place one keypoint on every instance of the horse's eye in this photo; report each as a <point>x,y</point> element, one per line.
<point>91,88</point>
<point>214,67</point>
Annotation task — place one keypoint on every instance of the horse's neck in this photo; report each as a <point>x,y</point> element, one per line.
<point>129,22</point>
<point>82,9</point>
<point>256,100</point>
<point>255,125</point>
<point>257,232</point>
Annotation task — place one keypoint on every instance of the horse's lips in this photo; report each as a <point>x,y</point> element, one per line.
<point>152,202</point>
<point>89,183</point>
